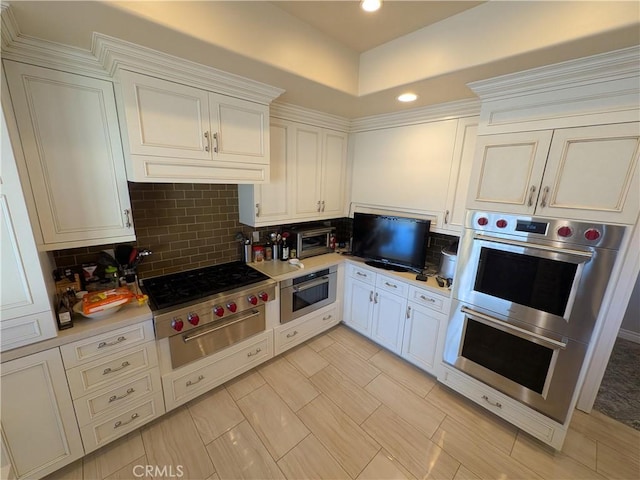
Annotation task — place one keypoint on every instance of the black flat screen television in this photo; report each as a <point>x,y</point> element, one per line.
<point>396,243</point>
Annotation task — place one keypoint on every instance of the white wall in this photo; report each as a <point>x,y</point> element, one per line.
<point>630,328</point>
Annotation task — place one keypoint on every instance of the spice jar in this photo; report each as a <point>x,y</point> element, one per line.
<point>258,254</point>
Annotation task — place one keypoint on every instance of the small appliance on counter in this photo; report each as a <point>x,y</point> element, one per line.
<point>448,261</point>
<point>312,241</point>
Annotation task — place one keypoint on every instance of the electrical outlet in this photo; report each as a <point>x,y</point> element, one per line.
<point>429,242</point>
<point>255,236</point>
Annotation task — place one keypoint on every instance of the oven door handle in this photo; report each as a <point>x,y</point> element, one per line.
<point>311,284</point>
<point>188,338</point>
<point>535,246</point>
<point>486,319</point>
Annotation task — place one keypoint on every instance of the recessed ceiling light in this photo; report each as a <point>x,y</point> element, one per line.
<point>370,5</point>
<point>407,97</point>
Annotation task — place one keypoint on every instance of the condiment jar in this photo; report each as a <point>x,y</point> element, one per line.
<point>258,254</point>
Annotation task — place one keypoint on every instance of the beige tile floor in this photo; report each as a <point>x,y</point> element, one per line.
<point>339,407</point>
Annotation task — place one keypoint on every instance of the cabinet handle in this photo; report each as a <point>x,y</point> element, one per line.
<point>446,217</point>
<point>109,370</point>
<point>113,398</point>
<point>495,404</point>
<point>408,311</point>
<point>328,317</point>
<point>361,274</point>
<point>371,296</point>
<point>545,192</point>
<point>257,209</point>
<point>111,344</point>
<point>427,299</point>
<point>191,383</point>
<point>207,147</point>
<point>390,285</point>
<point>119,424</point>
<point>127,218</point>
<point>322,205</point>
<point>251,354</point>
<point>532,190</point>
<point>291,335</point>
<point>215,145</point>
<point>318,206</point>
<point>375,298</point>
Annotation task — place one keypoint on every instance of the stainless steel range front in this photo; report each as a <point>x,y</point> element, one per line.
<point>528,293</point>
<point>204,310</point>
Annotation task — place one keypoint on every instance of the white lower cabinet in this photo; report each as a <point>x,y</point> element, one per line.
<point>115,383</point>
<point>188,382</point>
<point>403,318</point>
<point>514,412</point>
<point>293,333</point>
<point>39,429</point>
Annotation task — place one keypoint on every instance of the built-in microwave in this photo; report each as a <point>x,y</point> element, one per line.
<point>309,242</point>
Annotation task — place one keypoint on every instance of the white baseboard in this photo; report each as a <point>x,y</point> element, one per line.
<point>629,335</point>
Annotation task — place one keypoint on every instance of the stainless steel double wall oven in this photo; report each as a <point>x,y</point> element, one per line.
<point>526,300</point>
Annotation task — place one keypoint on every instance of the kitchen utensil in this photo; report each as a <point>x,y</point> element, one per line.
<point>122,254</point>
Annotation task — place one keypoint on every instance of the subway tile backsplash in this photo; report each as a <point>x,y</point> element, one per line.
<point>188,226</point>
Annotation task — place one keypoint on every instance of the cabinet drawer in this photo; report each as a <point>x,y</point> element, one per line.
<point>362,274</point>
<point>429,300</point>
<point>109,370</point>
<point>94,406</point>
<point>194,379</point>
<point>392,285</point>
<point>296,332</point>
<point>122,422</point>
<point>83,351</point>
<point>514,412</point>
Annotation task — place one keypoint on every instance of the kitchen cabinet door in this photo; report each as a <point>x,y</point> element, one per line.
<point>178,133</point>
<point>592,174</point>
<point>334,159</point>
<point>25,309</point>
<point>404,167</point>
<point>507,170</point>
<point>271,203</point>
<point>421,333</point>
<point>463,154</point>
<point>387,326</point>
<point>71,141</point>
<point>39,426</point>
<point>307,165</point>
<point>358,306</point>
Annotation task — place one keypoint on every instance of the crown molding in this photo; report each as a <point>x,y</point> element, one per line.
<point>294,113</point>
<point>431,113</point>
<point>108,54</point>
<point>604,67</point>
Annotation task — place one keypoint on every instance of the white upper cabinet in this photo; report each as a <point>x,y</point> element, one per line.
<point>270,203</point>
<point>178,133</point>
<point>307,180</point>
<point>25,310</point>
<point>406,167</point>
<point>585,173</point>
<point>463,153</point>
<point>71,141</point>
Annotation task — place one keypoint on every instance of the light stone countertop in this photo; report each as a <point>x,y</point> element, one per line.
<point>130,314</point>
<point>279,270</point>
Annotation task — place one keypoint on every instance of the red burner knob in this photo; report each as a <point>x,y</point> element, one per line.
<point>565,232</point>
<point>501,223</point>
<point>264,296</point>
<point>592,234</point>
<point>482,221</point>
<point>232,307</point>
<point>177,324</point>
<point>193,318</point>
<point>218,310</point>
<point>253,300</point>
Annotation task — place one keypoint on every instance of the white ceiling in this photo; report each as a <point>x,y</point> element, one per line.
<point>347,23</point>
<point>332,57</point>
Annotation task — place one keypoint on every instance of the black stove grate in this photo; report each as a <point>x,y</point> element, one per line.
<point>177,288</point>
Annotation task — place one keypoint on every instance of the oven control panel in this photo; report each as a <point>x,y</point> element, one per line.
<point>565,231</point>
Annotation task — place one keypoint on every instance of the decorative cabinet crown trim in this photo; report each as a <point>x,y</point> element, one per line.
<point>294,113</point>
<point>107,54</point>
